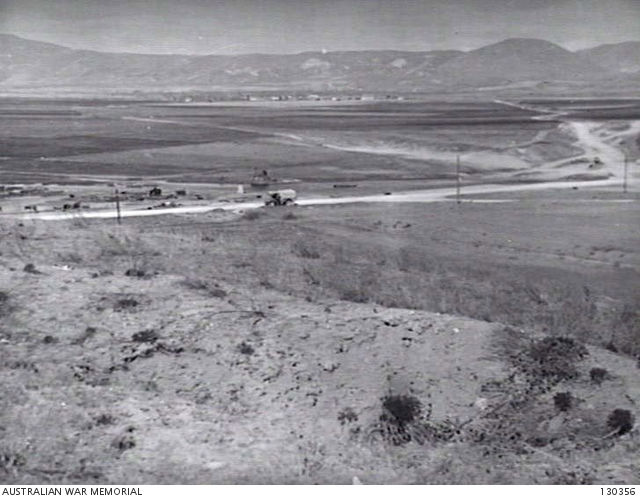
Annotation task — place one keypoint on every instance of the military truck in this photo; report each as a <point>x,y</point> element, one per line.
<point>283,197</point>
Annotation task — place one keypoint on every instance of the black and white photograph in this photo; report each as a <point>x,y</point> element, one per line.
<point>328,242</point>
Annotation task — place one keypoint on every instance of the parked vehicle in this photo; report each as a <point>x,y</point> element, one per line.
<point>284,197</point>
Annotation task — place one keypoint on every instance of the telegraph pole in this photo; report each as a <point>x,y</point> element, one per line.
<point>458,179</point>
<point>118,206</point>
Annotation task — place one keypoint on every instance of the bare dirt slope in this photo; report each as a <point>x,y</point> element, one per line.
<point>125,359</point>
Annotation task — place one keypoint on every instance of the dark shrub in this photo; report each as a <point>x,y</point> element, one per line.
<point>555,358</point>
<point>212,288</point>
<point>252,215</point>
<point>11,461</point>
<point>105,419</point>
<point>598,375</point>
<point>216,292</point>
<point>146,336</point>
<point>195,284</point>
<point>125,303</point>
<point>401,409</point>
<point>354,295</point>
<point>246,349</point>
<point>347,416</point>
<point>135,273</point>
<point>400,421</point>
<point>563,401</point>
<point>622,420</point>
<point>123,442</point>
<point>611,346</point>
<point>30,268</point>
<point>305,250</point>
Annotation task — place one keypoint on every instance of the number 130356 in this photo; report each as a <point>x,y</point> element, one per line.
<point>618,491</point>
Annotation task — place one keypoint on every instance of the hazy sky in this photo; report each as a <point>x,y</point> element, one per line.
<point>285,26</point>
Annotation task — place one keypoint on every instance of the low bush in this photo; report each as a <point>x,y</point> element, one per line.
<point>133,250</point>
<point>626,327</point>
<point>105,420</point>
<point>216,292</point>
<point>553,358</point>
<point>246,349</point>
<point>611,346</point>
<point>305,250</point>
<point>563,401</point>
<point>146,336</point>
<point>135,272</point>
<point>354,295</point>
<point>348,415</point>
<point>622,420</point>
<point>125,304</point>
<point>123,442</point>
<point>11,462</point>
<point>401,409</point>
<point>30,268</point>
<point>251,215</point>
<point>399,421</point>
<point>211,288</point>
<point>598,375</point>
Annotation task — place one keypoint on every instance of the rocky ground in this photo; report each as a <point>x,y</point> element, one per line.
<point>124,361</point>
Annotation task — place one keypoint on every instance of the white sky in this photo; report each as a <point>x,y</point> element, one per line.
<point>286,26</point>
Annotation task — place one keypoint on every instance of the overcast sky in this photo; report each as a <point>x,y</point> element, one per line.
<point>289,26</point>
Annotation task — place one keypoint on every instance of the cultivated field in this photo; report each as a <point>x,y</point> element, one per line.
<point>50,141</point>
<point>394,338</point>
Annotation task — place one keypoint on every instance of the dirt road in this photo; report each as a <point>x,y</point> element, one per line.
<point>420,196</point>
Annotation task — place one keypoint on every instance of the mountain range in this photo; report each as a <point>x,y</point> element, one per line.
<point>513,63</point>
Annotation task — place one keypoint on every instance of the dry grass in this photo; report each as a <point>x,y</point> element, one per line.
<point>505,444</point>
<point>496,294</point>
<point>252,215</point>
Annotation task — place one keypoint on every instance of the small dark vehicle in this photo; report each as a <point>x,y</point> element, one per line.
<point>284,197</point>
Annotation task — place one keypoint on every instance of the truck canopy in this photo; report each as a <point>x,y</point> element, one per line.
<point>285,193</point>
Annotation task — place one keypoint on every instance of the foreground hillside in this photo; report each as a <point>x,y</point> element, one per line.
<point>312,345</point>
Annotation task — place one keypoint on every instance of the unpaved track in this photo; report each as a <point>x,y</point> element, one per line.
<point>593,137</point>
<point>421,196</point>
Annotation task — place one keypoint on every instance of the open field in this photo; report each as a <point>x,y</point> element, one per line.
<point>45,141</point>
<point>400,338</point>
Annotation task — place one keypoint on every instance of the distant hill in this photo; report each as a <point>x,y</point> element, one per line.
<point>28,64</point>
<point>621,57</point>
<point>518,60</point>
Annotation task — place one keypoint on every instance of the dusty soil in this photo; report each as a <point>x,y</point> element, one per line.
<point>202,349</point>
